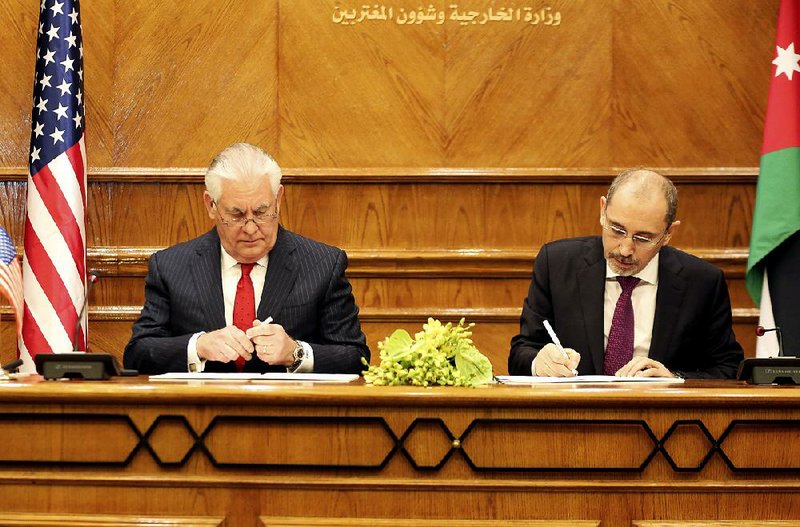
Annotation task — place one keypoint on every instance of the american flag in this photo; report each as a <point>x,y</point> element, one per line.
<point>54,268</point>
<point>11,276</point>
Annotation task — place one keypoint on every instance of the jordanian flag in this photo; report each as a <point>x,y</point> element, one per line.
<point>773,268</point>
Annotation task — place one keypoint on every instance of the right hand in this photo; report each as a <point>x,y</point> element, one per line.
<point>224,345</point>
<point>550,362</point>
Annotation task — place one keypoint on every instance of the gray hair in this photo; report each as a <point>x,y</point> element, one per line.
<point>238,162</point>
<point>643,177</point>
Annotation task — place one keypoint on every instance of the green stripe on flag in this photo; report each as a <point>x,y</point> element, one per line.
<point>777,212</point>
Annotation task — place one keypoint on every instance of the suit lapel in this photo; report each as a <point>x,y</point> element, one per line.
<point>281,276</point>
<point>207,275</point>
<point>671,291</point>
<point>591,284</point>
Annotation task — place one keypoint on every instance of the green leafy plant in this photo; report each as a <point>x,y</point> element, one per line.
<point>439,355</point>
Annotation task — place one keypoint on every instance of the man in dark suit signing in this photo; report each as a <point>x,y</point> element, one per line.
<point>248,295</point>
<point>629,304</point>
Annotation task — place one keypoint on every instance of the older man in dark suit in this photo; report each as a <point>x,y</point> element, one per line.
<point>248,295</point>
<point>631,305</point>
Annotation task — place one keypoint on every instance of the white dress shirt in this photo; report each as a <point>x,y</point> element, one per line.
<point>643,299</point>
<point>231,271</point>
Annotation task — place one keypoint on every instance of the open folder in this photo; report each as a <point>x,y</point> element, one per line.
<point>249,377</point>
<point>582,379</point>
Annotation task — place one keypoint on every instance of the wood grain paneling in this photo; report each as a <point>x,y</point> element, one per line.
<point>402,216</point>
<point>560,78</point>
<point>341,85</point>
<point>186,83</point>
<point>676,71</point>
<point>617,83</point>
<point>449,474</point>
<point>103,520</point>
<point>270,521</point>
<point>18,42</point>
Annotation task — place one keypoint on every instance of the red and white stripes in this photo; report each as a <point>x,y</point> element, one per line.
<point>54,268</point>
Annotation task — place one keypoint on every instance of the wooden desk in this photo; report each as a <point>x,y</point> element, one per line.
<point>129,451</point>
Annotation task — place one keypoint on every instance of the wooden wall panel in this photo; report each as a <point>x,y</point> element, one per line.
<point>560,78</point>
<point>686,89</point>
<point>18,45</point>
<point>358,95</point>
<point>188,82</point>
<point>404,215</point>
<point>617,83</point>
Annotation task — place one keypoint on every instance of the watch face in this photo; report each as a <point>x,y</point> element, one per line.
<point>298,353</point>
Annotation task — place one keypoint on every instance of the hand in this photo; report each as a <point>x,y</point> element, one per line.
<point>550,362</point>
<point>644,367</point>
<point>272,344</point>
<point>224,345</point>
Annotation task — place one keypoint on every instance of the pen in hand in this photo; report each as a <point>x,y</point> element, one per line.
<point>557,342</point>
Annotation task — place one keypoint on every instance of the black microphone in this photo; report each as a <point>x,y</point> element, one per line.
<point>12,366</point>
<point>761,330</point>
<point>91,278</point>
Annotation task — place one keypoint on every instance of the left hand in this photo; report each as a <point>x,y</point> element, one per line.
<point>272,344</point>
<point>644,367</point>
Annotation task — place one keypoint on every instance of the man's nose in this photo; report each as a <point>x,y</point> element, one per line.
<point>626,247</point>
<point>250,226</point>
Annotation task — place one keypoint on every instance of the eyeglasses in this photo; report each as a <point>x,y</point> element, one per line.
<point>640,240</point>
<point>259,217</point>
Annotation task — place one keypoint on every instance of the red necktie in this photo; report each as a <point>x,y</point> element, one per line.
<point>244,306</point>
<point>619,350</point>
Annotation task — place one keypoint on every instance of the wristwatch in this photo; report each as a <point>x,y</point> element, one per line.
<point>298,354</point>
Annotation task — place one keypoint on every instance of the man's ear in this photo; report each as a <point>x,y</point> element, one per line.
<point>672,230</point>
<point>602,208</point>
<point>209,202</point>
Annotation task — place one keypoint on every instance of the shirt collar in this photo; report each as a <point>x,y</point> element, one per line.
<point>649,274</point>
<point>229,262</point>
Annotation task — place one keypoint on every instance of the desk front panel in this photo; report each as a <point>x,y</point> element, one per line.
<point>247,454</point>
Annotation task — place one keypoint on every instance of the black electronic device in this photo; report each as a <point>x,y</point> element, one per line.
<point>770,370</point>
<point>87,366</point>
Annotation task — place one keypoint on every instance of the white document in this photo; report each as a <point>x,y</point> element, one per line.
<point>308,377</point>
<point>582,379</point>
<point>246,377</point>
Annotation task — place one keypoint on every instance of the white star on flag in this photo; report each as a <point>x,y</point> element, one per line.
<point>57,135</point>
<point>56,8</point>
<point>64,87</point>
<point>787,61</point>
<point>53,32</point>
<point>48,57</point>
<point>35,154</point>
<point>61,111</point>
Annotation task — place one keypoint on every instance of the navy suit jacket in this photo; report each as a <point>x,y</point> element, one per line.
<point>692,331</point>
<point>305,291</point>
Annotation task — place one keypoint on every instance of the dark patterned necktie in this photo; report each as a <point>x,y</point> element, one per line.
<point>244,306</point>
<point>619,350</point>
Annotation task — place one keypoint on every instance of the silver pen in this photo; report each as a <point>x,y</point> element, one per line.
<point>556,341</point>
